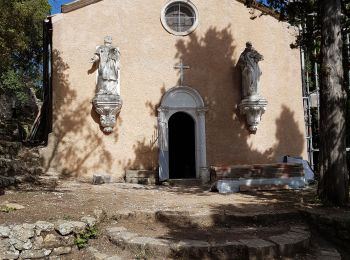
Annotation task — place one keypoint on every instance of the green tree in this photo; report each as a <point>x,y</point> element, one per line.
<point>21,45</point>
<point>324,22</point>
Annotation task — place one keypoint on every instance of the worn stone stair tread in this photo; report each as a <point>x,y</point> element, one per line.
<point>184,182</point>
<point>286,244</point>
<point>263,187</point>
<point>211,218</point>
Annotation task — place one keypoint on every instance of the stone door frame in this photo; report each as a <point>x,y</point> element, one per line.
<point>187,100</point>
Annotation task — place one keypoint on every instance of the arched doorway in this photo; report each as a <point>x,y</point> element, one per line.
<point>186,103</point>
<point>182,162</point>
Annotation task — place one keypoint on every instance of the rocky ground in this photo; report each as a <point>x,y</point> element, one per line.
<point>135,221</point>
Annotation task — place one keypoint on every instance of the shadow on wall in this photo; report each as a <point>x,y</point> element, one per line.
<point>74,139</point>
<point>216,77</point>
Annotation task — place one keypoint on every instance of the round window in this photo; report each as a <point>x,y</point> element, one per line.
<point>180,17</point>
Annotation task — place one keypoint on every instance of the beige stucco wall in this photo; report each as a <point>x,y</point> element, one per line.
<point>78,147</point>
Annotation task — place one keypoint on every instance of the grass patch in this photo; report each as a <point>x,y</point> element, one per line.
<point>7,209</point>
<point>82,239</point>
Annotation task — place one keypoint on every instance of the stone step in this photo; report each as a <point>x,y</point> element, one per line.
<point>142,180</point>
<point>30,182</point>
<point>263,187</point>
<point>234,185</point>
<point>258,171</point>
<point>146,177</point>
<point>18,167</point>
<point>209,219</point>
<point>288,244</point>
<point>184,182</point>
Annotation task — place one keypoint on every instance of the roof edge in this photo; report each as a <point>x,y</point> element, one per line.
<point>264,9</point>
<point>66,8</point>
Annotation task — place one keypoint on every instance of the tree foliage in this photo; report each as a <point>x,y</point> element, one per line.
<point>21,45</point>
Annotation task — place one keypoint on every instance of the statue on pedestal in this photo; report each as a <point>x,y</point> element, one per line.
<point>107,57</point>
<point>107,100</point>
<point>252,104</point>
<point>248,62</point>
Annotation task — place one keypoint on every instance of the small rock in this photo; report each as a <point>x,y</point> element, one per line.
<point>7,251</point>
<point>115,230</point>
<point>20,245</point>
<point>20,236</point>
<point>115,257</point>
<point>43,226</point>
<point>13,206</point>
<point>9,254</point>
<point>96,254</point>
<point>90,221</point>
<point>66,227</point>
<point>38,243</point>
<point>121,238</point>
<point>100,215</point>
<point>69,240</point>
<point>62,250</point>
<point>97,179</point>
<point>35,253</point>
<point>23,232</point>
<point>4,231</point>
<point>51,241</point>
<point>54,257</point>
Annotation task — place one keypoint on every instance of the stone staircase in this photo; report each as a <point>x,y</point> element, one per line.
<point>215,235</point>
<point>21,165</point>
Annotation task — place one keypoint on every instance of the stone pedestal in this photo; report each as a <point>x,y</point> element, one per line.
<point>253,107</point>
<point>107,106</point>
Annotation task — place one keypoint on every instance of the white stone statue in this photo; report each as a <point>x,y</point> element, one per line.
<point>253,105</point>
<point>107,56</point>
<point>107,101</point>
<point>248,61</point>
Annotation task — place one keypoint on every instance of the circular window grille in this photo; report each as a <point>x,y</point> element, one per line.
<point>180,17</point>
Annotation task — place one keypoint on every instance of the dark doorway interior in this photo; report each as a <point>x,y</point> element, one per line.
<point>181,146</point>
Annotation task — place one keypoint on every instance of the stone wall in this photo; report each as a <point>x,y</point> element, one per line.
<point>20,164</point>
<point>41,239</point>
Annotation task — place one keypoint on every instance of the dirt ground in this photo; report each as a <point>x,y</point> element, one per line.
<point>72,200</point>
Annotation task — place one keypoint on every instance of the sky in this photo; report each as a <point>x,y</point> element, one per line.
<point>56,5</point>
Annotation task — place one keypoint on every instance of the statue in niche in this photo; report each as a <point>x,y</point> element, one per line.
<point>248,61</point>
<point>107,56</point>
<point>107,101</point>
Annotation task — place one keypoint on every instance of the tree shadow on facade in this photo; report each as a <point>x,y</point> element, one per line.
<point>214,74</point>
<point>146,155</point>
<point>74,139</point>
<point>146,150</point>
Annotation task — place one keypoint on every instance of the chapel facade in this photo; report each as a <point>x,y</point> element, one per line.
<point>177,83</point>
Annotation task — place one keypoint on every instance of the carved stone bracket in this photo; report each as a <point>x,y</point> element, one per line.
<point>108,107</point>
<point>253,108</point>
